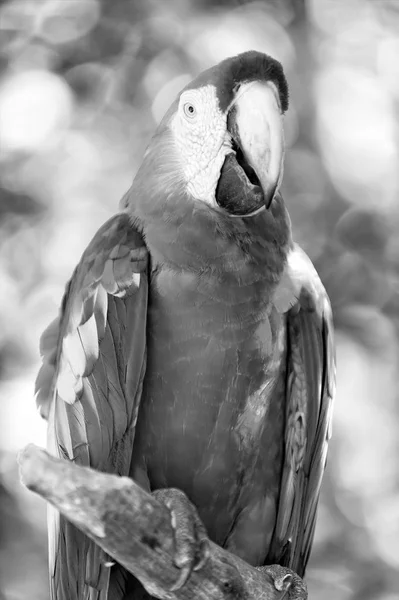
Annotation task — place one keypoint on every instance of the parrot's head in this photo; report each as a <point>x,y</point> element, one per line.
<point>223,136</point>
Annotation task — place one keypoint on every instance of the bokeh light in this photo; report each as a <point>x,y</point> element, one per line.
<point>35,106</point>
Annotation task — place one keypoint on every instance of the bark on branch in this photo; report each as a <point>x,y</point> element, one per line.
<point>135,529</point>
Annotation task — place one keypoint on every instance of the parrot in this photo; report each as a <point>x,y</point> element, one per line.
<point>194,348</point>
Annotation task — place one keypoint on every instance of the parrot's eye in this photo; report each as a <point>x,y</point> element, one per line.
<point>189,110</point>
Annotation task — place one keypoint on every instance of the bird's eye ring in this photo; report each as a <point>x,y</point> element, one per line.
<point>189,110</point>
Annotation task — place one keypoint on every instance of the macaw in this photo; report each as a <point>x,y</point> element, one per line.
<point>194,347</point>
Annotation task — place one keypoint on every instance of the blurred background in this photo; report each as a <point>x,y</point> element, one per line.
<point>83,85</point>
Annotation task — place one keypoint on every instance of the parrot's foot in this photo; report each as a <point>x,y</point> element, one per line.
<point>286,581</point>
<point>190,536</point>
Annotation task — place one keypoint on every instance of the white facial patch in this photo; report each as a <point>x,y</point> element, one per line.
<point>201,137</point>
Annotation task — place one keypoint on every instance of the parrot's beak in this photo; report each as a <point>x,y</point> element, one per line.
<point>256,125</point>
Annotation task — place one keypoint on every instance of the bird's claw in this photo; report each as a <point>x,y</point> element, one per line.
<point>286,581</point>
<point>190,536</point>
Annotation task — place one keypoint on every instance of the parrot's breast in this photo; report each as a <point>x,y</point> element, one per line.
<point>212,413</point>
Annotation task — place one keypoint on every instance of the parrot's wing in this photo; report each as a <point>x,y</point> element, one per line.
<point>310,392</point>
<point>90,383</point>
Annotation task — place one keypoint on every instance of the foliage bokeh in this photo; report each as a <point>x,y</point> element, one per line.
<point>83,84</point>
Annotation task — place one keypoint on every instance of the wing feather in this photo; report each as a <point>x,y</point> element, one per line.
<point>83,388</point>
<point>310,393</point>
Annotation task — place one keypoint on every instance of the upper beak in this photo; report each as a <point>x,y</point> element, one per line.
<point>258,129</point>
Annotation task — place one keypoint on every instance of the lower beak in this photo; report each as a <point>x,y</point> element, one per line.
<point>258,129</point>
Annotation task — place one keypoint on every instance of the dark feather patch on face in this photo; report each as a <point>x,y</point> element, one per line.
<point>243,68</point>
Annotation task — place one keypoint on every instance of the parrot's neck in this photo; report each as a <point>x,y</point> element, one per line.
<point>186,233</point>
<point>200,239</point>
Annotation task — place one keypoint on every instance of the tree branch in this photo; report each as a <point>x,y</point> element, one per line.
<point>135,529</point>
